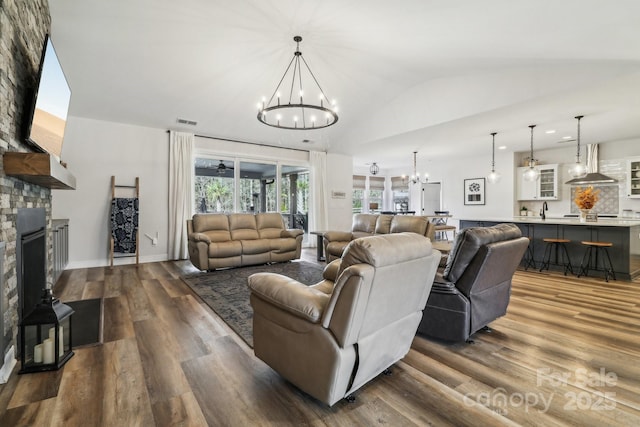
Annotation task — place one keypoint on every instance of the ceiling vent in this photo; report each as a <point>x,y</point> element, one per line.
<point>186,122</point>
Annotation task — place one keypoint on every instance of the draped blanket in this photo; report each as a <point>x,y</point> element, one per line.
<point>124,224</point>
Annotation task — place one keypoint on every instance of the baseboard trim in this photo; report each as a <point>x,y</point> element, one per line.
<point>117,261</point>
<point>8,365</point>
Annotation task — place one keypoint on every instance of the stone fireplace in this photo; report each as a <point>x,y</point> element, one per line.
<point>24,25</point>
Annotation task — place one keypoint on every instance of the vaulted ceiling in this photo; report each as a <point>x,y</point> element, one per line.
<point>428,75</point>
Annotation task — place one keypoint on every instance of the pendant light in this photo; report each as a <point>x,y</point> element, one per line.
<point>374,169</point>
<point>494,176</point>
<point>578,170</point>
<point>532,173</point>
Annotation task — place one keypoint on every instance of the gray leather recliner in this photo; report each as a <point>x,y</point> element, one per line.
<point>331,338</point>
<point>475,287</point>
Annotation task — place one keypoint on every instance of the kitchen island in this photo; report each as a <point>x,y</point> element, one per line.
<point>623,233</point>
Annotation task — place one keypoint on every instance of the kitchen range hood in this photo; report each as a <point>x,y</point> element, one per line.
<point>592,176</point>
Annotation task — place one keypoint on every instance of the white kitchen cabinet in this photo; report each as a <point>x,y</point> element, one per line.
<point>544,188</point>
<point>633,177</point>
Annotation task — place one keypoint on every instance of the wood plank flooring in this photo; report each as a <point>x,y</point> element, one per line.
<point>567,353</point>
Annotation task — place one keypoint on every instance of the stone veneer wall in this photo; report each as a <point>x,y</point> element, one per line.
<point>23,25</point>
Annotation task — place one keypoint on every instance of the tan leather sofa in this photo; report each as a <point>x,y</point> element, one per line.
<point>234,240</point>
<point>475,287</point>
<point>331,338</point>
<point>365,225</point>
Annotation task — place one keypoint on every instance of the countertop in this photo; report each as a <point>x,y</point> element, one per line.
<point>602,222</point>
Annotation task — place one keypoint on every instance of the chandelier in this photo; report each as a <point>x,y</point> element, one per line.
<point>494,176</point>
<point>415,178</point>
<point>532,173</point>
<point>294,110</point>
<point>374,169</point>
<point>578,170</point>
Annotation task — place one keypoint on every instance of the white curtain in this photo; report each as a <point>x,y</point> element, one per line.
<point>180,191</point>
<point>319,215</point>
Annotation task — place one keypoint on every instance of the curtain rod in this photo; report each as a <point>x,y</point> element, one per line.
<point>246,142</point>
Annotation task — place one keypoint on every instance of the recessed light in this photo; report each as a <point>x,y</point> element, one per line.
<point>502,147</point>
<point>550,131</point>
<point>567,137</point>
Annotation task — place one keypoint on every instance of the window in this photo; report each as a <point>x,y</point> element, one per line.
<point>214,187</point>
<point>257,187</point>
<point>359,185</point>
<point>400,189</point>
<point>376,192</point>
<point>294,196</point>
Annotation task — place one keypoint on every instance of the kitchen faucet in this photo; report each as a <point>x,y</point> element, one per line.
<point>544,208</point>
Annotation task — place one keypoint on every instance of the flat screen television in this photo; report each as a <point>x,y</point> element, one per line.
<point>48,118</point>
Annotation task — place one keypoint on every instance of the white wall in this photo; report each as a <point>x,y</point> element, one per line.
<point>340,179</point>
<point>94,151</point>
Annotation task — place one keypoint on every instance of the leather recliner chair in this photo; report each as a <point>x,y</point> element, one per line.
<point>331,338</point>
<point>475,287</point>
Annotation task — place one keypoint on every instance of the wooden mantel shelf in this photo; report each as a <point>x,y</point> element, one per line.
<point>39,168</point>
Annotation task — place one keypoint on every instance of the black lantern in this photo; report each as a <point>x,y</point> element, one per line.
<point>46,336</point>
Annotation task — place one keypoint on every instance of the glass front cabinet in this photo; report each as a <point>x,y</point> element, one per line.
<point>633,183</point>
<point>544,188</point>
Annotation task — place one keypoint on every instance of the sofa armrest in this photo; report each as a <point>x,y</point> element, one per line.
<point>338,236</point>
<point>442,286</point>
<point>289,295</point>
<point>199,237</point>
<point>292,232</point>
<point>331,270</point>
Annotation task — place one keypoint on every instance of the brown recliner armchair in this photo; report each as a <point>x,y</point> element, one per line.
<point>475,286</point>
<point>331,338</point>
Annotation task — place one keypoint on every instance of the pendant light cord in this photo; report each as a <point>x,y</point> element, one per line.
<point>531,157</point>
<point>578,144</point>
<point>493,152</point>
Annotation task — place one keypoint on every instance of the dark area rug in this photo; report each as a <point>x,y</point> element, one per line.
<point>86,322</point>
<point>227,292</point>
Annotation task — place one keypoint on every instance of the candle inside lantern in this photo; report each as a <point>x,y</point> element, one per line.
<point>49,351</point>
<point>37,354</point>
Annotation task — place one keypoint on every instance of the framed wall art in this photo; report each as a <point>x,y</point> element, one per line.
<point>474,191</point>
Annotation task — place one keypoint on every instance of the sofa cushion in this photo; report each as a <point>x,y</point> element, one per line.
<point>467,243</point>
<point>283,245</point>
<point>365,223</point>
<point>255,246</point>
<point>270,225</point>
<point>383,224</point>
<point>225,249</point>
<point>413,224</point>
<point>243,227</point>
<point>211,222</point>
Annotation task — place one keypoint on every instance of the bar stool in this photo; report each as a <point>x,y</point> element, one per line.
<point>599,247</point>
<point>555,244</point>
<point>528,257</point>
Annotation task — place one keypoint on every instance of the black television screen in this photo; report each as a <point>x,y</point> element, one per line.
<point>50,105</point>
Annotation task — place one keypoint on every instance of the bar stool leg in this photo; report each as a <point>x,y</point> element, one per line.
<point>584,268</point>
<point>608,270</point>
<point>567,265</point>
<point>546,259</point>
<point>528,260</point>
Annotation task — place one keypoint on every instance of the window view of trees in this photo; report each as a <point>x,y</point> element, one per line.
<point>213,186</point>
<point>358,200</point>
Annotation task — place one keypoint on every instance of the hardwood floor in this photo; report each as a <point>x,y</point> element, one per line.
<point>566,353</point>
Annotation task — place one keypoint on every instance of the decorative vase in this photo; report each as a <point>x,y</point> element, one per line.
<point>583,214</point>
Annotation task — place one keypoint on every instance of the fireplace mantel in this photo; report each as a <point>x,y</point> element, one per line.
<point>39,168</point>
